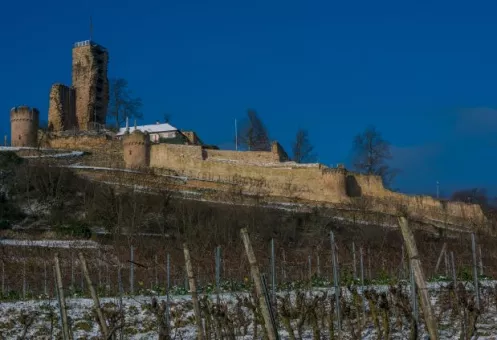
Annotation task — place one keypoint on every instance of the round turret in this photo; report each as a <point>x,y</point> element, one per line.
<point>136,150</point>
<point>24,126</point>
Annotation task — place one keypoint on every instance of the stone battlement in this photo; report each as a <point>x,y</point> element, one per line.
<point>87,43</point>
<point>24,113</point>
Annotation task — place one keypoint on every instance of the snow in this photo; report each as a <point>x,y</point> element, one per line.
<point>18,148</point>
<point>151,128</point>
<point>80,244</point>
<point>289,165</point>
<point>99,168</point>
<point>34,207</point>
<point>141,320</point>
<point>181,178</point>
<point>87,167</point>
<point>54,155</point>
<point>58,155</point>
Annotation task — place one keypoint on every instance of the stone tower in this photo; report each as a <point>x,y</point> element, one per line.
<point>136,148</point>
<point>89,80</point>
<point>24,126</point>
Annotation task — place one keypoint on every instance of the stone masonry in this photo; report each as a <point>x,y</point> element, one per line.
<point>86,101</point>
<point>24,126</point>
<point>89,79</point>
<point>62,108</point>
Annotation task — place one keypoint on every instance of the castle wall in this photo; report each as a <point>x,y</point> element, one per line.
<point>241,156</point>
<point>89,78</point>
<point>62,108</point>
<point>259,173</point>
<point>24,123</point>
<point>175,156</point>
<point>83,143</point>
<point>276,155</point>
<point>425,207</point>
<point>312,183</point>
<point>359,185</point>
<point>365,185</point>
<point>420,204</point>
<point>102,151</point>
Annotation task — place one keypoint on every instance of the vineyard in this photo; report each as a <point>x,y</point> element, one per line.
<point>321,297</point>
<point>386,313</point>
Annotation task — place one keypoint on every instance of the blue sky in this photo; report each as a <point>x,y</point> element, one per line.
<point>424,73</point>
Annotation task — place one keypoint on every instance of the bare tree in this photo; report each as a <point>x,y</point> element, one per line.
<point>371,155</point>
<point>253,134</point>
<point>121,102</point>
<point>43,131</point>
<point>475,195</point>
<point>302,148</point>
<point>167,117</point>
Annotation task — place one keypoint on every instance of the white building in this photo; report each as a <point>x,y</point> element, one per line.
<point>156,131</point>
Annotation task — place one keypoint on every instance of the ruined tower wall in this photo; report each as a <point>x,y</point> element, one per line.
<point>191,136</point>
<point>62,108</point>
<point>89,79</point>
<point>24,126</point>
<point>278,152</point>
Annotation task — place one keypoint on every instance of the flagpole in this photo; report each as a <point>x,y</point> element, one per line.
<point>236,136</point>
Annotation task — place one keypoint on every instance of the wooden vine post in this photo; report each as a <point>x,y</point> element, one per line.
<point>442,252</point>
<point>94,296</point>
<point>193,291</point>
<point>256,276</point>
<point>62,301</point>
<point>429,316</point>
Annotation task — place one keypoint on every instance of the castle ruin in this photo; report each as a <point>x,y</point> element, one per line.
<point>84,104</point>
<point>62,108</point>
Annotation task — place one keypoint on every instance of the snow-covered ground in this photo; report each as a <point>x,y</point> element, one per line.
<point>18,148</point>
<point>68,244</point>
<point>52,153</point>
<point>40,319</point>
<point>87,167</point>
<point>58,155</point>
